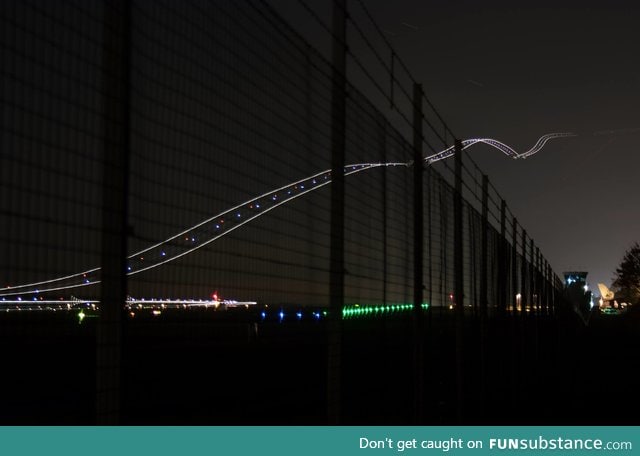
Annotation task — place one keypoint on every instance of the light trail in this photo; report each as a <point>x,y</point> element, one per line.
<point>225,222</point>
<point>502,147</point>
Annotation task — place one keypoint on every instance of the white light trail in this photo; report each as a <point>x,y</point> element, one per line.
<point>225,222</point>
<point>502,147</point>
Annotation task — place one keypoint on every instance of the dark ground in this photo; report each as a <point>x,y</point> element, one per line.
<point>193,369</point>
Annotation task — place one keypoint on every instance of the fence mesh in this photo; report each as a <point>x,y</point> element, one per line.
<point>222,113</point>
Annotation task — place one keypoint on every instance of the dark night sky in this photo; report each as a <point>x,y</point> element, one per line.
<point>515,71</point>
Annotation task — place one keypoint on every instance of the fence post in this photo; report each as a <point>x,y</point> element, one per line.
<point>515,291</point>
<point>418,253</point>
<point>532,288</point>
<point>547,288</point>
<point>484,278</point>
<point>336,277</point>
<point>502,265</point>
<point>113,287</point>
<point>484,248</point>
<point>538,286</point>
<point>523,275</point>
<point>458,273</point>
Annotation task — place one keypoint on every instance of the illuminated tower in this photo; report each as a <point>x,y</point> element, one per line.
<point>575,277</point>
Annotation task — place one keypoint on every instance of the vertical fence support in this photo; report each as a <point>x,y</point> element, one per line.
<point>113,289</point>
<point>523,275</point>
<point>516,297</point>
<point>538,282</point>
<point>498,342</point>
<point>418,254</point>
<point>503,282</point>
<point>531,276</point>
<point>524,326</point>
<point>458,279</point>
<point>484,284</point>
<point>383,197</point>
<point>554,291</point>
<point>547,288</point>
<point>515,290</point>
<point>336,278</point>
<point>484,248</point>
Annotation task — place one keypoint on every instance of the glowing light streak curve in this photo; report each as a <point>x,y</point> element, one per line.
<point>225,222</point>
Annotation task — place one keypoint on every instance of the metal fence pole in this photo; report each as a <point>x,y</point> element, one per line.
<point>532,289</point>
<point>484,279</point>
<point>418,254</point>
<point>336,279</point>
<point>523,275</point>
<point>458,280</point>
<point>503,282</point>
<point>114,213</point>
<point>515,291</point>
<point>515,296</point>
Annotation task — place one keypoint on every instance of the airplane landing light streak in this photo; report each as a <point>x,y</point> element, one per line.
<point>225,222</point>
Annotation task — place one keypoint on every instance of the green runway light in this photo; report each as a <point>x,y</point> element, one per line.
<point>376,310</point>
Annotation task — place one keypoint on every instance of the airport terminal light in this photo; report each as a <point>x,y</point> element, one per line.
<point>579,277</point>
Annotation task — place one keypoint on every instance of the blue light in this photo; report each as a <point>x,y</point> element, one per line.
<point>86,280</point>
<point>257,206</point>
<point>193,239</point>
<point>163,253</point>
<point>302,187</point>
<point>217,227</point>
<point>263,314</point>
<point>128,268</point>
<point>238,215</point>
<point>281,314</point>
<point>299,315</point>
